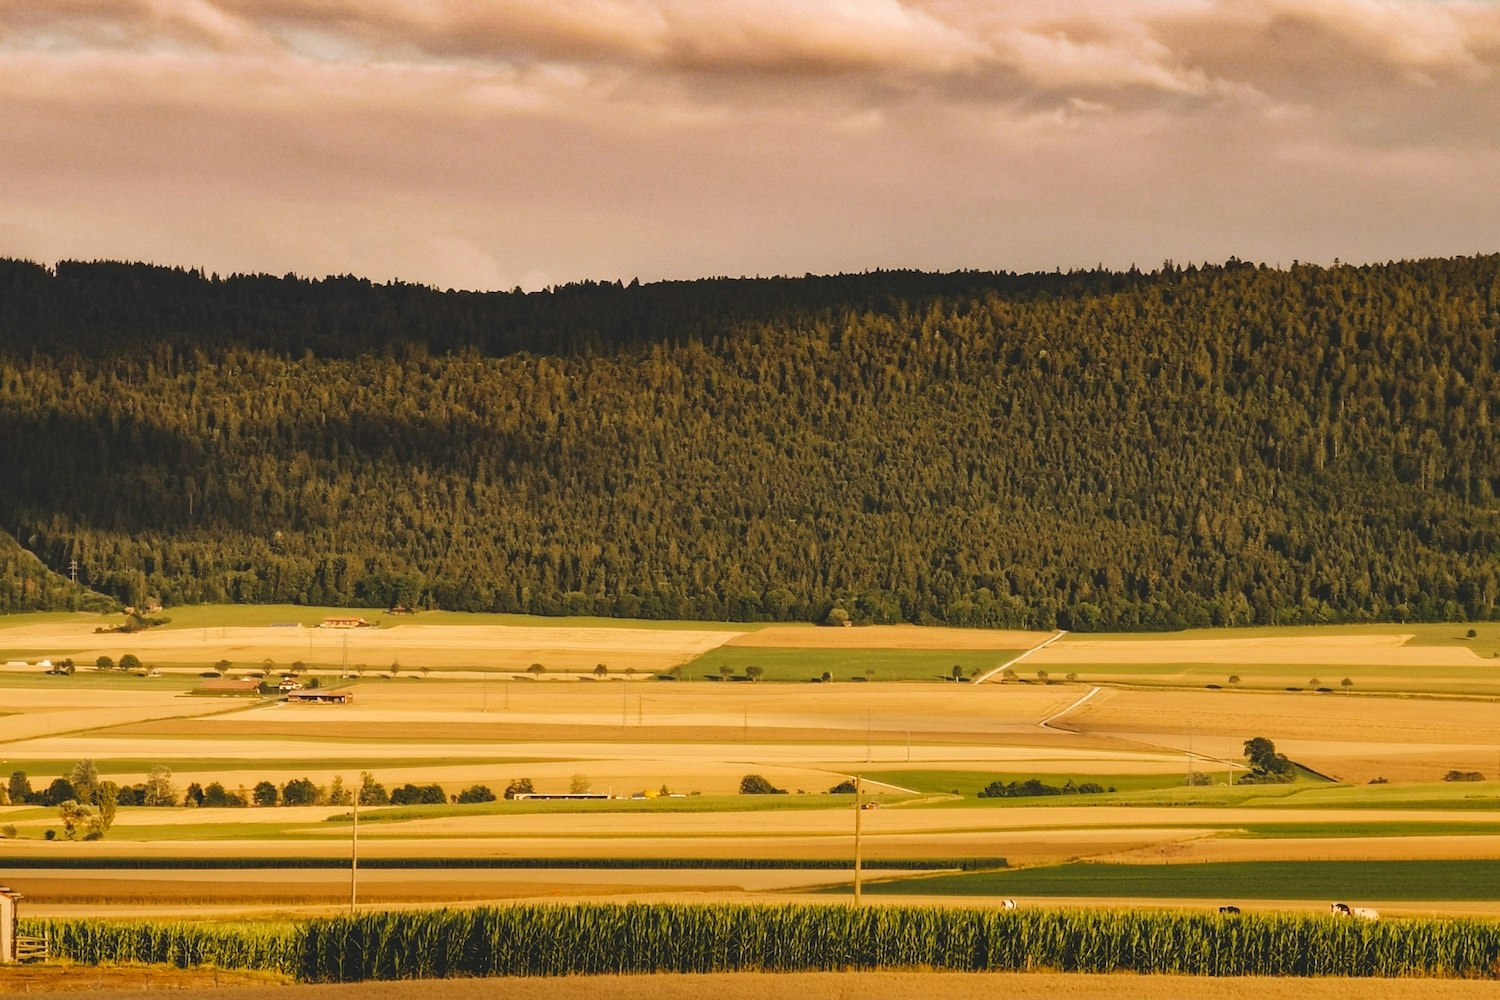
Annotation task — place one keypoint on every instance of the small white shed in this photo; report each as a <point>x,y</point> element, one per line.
<point>8,922</point>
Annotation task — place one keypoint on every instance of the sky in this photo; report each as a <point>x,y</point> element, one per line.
<point>494,143</point>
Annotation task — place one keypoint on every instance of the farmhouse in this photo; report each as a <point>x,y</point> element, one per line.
<point>229,686</point>
<point>320,697</point>
<point>346,622</point>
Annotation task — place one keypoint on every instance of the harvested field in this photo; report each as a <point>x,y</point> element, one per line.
<point>1348,737</point>
<point>887,637</point>
<point>499,647</point>
<point>45,713</point>
<point>52,892</point>
<point>1299,647</point>
<point>437,710</point>
<point>130,981</point>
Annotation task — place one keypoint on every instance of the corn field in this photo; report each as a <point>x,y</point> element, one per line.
<point>639,938</point>
<point>185,944</point>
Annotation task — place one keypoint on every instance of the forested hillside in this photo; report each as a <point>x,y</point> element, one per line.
<point>1219,445</point>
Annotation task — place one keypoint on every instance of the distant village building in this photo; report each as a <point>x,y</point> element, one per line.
<point>320,697</point>
<point>346,622</point>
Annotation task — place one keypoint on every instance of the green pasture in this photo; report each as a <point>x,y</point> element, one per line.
<point>96,680</point>
<point>969,783</point>
<point>800,664</point>
<point>1344,881</point>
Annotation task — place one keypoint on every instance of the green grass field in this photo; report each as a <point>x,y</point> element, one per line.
<point>797,664</point>
<point>968,783</point>
<point>1228,882</point>
<point>87,678</point>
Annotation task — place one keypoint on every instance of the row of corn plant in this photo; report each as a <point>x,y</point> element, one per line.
<point>562,940</point>
<point>185,944</point>
<point>641,938</point>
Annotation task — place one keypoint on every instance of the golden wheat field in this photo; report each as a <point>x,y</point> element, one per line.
<point>1136,715</point>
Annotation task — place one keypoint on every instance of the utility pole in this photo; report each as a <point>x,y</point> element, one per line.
<point>859,809</point>
<point>1191,761</point>
<point>354,856</point>
<point>73,570</point>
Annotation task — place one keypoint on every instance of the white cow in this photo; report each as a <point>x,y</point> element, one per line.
<point>1007,904</point>
<point>1358,912</point>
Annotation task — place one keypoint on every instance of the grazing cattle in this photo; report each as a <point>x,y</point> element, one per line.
<point>1007,904</point>
<point>1365,913</point>
<point>1233,910</point>
<point>1358,912</point>
<point>1340,909</point>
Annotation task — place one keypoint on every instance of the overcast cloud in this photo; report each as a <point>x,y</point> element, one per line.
<point>489,143</point>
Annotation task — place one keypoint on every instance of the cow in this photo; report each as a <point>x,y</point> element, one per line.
<point>1230,910</point>
<point>1358,912</point>
<point>1007,904</point>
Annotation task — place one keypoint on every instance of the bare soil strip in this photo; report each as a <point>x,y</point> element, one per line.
<point>124,982</point>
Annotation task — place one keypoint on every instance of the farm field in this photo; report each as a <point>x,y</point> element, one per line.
<point>1228,882</point>
<point>476,717</point>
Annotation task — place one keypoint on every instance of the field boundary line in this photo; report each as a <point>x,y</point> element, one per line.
<point>1017,659</point>
<point>1047,722</point>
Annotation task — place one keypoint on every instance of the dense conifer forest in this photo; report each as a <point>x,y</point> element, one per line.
<point>1203,445</point>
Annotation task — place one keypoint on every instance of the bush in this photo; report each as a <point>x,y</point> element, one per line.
<point>216,796</point>
<point>60,791</point>
<point>419,795</point>
<point>519,786</point>
<point>476,793</point>
<point>754,784</point>
<point>1463,776</point>
<point>371,792</point>
<point>299,792</point>
<point>1034,787</point>
<point>845,787</point>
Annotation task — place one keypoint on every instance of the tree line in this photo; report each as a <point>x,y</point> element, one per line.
<point>1217,445</point>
